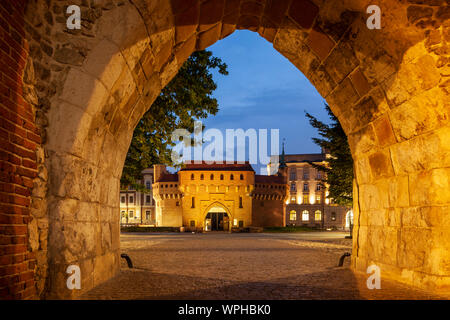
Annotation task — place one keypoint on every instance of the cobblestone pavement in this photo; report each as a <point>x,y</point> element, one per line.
<point>242,266</point>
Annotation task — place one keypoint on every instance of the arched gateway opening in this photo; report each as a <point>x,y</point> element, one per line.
<point>217,219</point>
<point>77,96</point>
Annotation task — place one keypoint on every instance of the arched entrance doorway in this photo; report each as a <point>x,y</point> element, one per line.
<point>217,218</point>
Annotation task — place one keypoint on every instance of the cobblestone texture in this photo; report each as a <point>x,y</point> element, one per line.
<point>242,266</point>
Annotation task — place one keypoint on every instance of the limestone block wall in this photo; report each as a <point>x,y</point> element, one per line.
<point>389,88</point>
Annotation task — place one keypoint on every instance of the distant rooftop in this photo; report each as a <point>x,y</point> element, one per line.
<point>246,166</point>
<point>306,157</point>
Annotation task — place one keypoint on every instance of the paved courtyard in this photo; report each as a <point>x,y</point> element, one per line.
<point>242,266</point>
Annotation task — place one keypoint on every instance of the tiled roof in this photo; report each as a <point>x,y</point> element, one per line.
<point>269,179</point>
<point>168,177</point>
<point>217,167</point>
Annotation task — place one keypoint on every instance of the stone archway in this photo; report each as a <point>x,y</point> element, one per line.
<point>87,89</point>
<point>223,208</point>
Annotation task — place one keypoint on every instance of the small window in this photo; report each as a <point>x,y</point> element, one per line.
<point>293,199</point>
<point>231,177</point>
<point>192,223</point>
<point>131,199</point>
<point>305,187</point>
<point>305,215</point>
<point>241,177</point>
<point>305,174</point>
<point>192,176</point>
<point>318,215</point>
<point>318,199</point>
<point>241,223</point>
<point>293,174</point>
<point>221,177</point>
<point>148,199</point>
<point>318,187</point>
<point>319,175</point>
<point>240,202</point>
<point>148,185</point>
<point>178,203</point>
<point>293,215</point>
<point>211,177</point>
<point>131,213</point>
<point>305,199</point>
<point>202,177</point>
<point>122,199</point>
<point>147,215</point>
<point>193,202</point>
<point>293,186</point>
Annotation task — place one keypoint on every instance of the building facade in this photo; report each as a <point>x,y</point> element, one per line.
<point>138,207</point>
<point>218,197</point>
<point>308,203</point>
<point>226,196</point>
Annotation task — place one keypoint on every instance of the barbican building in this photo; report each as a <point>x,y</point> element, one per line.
<point>222,197</point>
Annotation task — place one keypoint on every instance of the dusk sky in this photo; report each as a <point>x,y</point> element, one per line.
<point>264,91</point>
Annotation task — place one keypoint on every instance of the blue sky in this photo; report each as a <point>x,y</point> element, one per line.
<point>264,91</point>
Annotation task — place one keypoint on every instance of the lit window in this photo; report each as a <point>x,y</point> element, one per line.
<point>293,215</point>
<point>147,215</point>
<point>318,215</point>
<point>293,199</point>
<point>318,187</point>
<point>305,215</point>
<point>333,216</point>
<point>131,213</point>
<point>318,199</point>
<point>305,199</point>
<point>293,187</point>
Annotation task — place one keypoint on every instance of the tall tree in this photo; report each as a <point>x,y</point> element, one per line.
<point>187,98</point>
<point>339,173</point>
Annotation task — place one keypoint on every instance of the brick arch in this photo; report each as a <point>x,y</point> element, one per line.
<point>387,87</point>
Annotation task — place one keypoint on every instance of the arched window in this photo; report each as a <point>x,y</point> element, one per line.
<point>211,177</point>
<point>202,177</point>
<point>241,177</point>
<point>221,177</point>
<point>231,177</point>
<point>318,215</point>
<point>192,176</point>
<point>305,215</point>
<point>293,215</point>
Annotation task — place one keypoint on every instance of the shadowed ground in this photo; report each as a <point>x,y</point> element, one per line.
<point>242,266</point>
